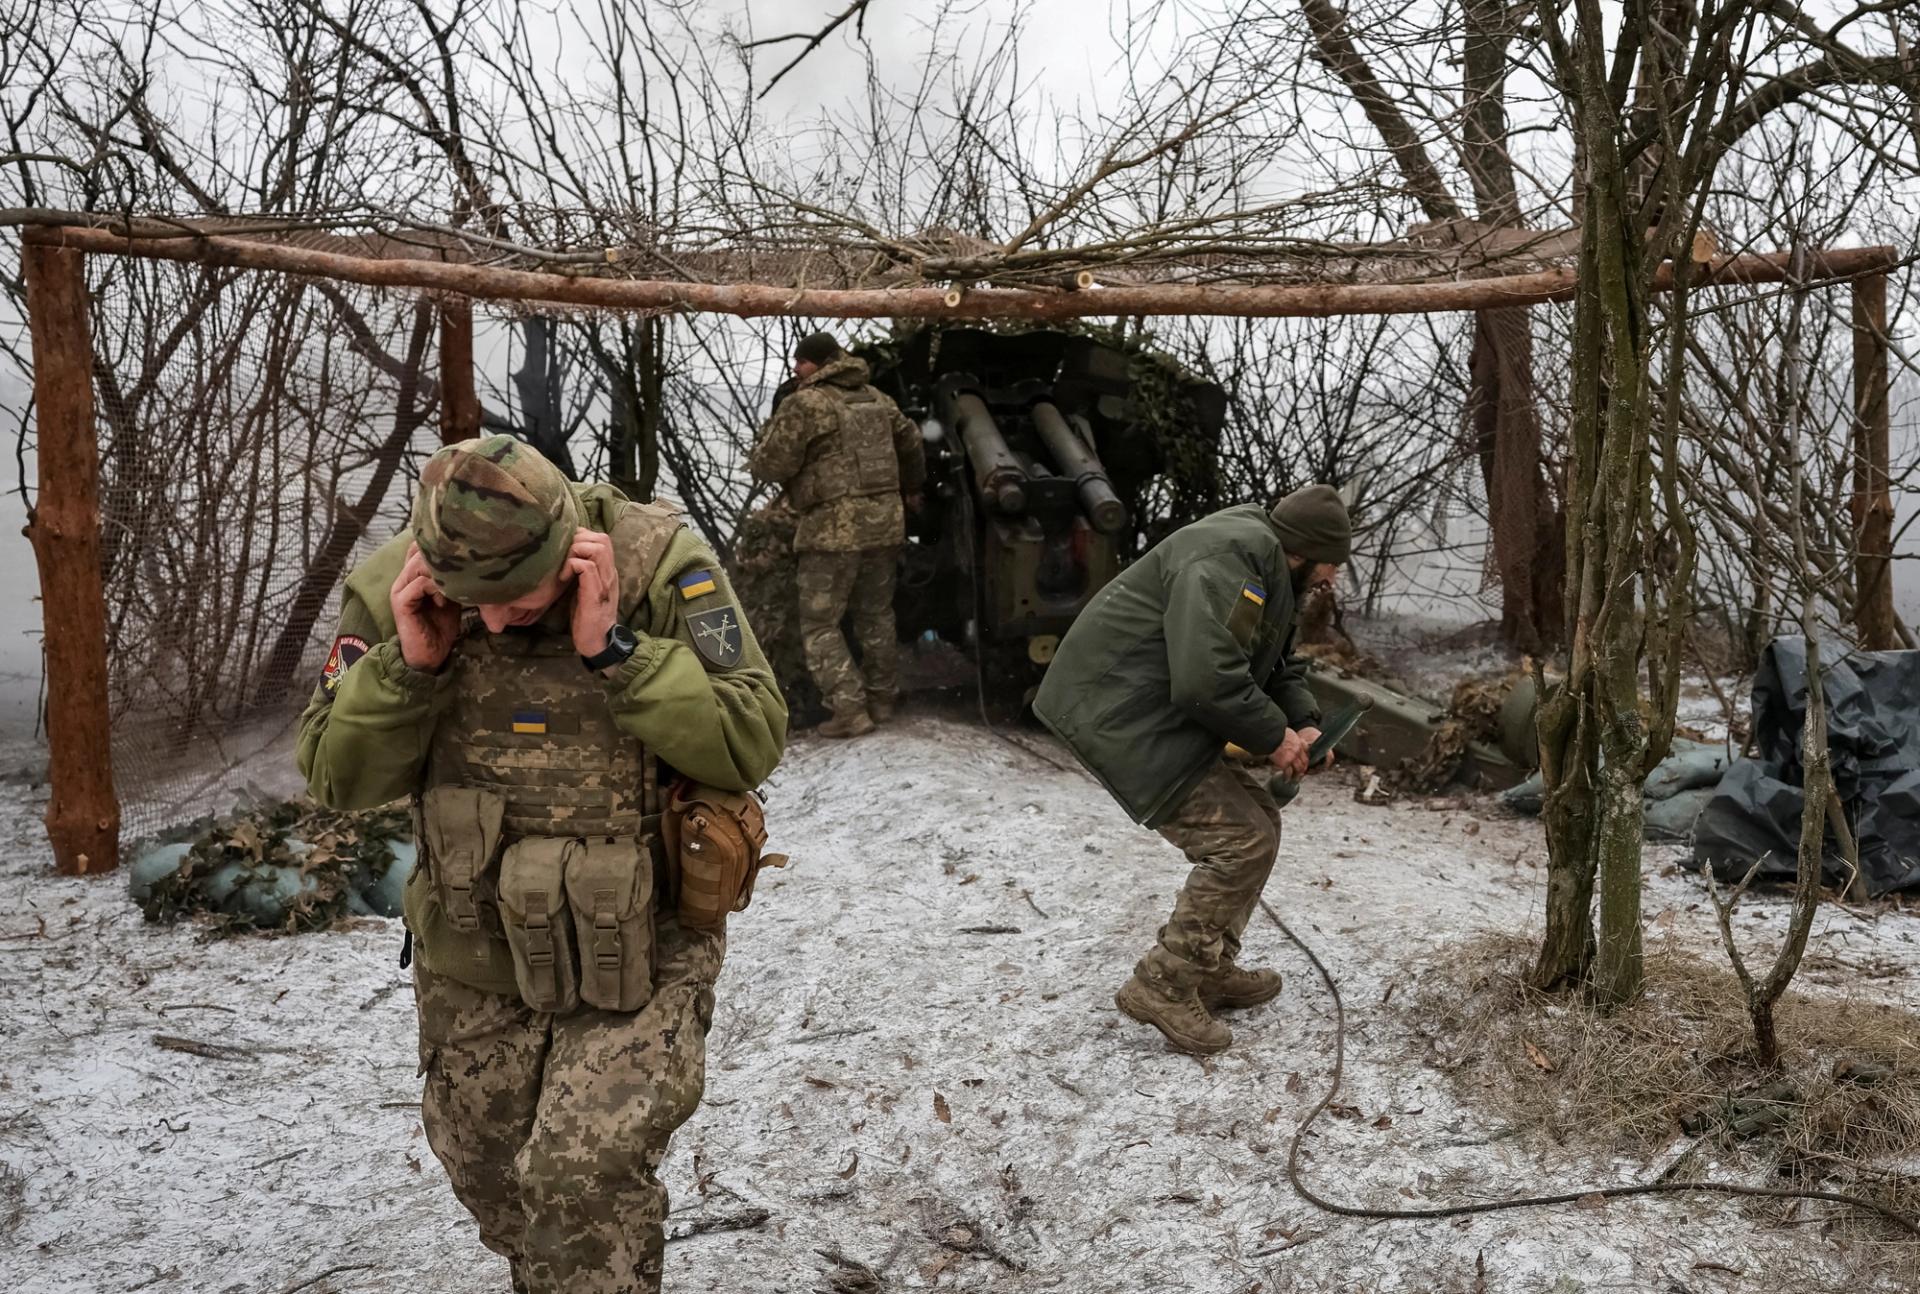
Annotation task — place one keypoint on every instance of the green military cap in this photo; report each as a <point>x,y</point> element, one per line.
<point>493,519</point>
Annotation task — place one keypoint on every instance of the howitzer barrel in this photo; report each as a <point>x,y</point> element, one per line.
<point>1002,481</point>
<point>1076,460</point>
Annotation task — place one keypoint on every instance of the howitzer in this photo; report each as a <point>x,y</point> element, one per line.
<point>1050,454</point>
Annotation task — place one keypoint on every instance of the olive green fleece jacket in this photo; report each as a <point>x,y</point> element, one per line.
<point>364,742</point>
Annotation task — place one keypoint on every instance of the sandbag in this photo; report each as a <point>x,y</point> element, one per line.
<point>1691,766</point>
<point>284,866</point>
<point>1676,792</point>
<point>1673,818</point>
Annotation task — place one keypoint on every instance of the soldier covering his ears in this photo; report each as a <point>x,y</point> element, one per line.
<point>533,665</point>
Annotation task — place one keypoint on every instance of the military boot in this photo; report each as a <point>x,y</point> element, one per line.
<point>1176,1013</point>
<point>1231,988</point>
<point>880,709</point>
<point>854,723</point>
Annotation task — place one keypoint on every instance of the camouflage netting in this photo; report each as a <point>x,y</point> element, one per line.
<point>1473,715</point>
<point>284,867</point>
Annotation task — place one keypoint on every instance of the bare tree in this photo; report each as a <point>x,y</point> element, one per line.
<point>1657,98</point>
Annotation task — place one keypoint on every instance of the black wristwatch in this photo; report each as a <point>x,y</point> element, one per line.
<point>621,644</point>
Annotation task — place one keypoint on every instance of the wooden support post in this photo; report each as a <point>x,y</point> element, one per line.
<point>1872,504</point>
<point>459,406</point>
<point>83,815</point>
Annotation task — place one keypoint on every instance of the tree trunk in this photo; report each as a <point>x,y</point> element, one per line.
<point>650,367</point>
<point>1872,504</point>
<point>459,405</point>
<point>636,376</point>
<point>1566,762</point>
<point>538,382</point>
<point>765,300</point>
<point>1501,399</point>
<point>1620,825</point>
<point>83,813</point>
<point>1593,738</point>
<point>1766,1043</point>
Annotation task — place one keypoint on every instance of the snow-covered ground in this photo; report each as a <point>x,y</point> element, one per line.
<point>916,1065</point>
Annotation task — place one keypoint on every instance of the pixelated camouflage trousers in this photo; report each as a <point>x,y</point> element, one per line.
<point>833,585</point>
<point>552,1128</point>
<point>1229,830</point>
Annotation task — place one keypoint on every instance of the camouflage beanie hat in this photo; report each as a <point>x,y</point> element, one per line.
<point>1313,524</point>
<point>493,519</point>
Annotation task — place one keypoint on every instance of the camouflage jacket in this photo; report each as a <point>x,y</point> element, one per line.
<point>843,453</point>
<point>365,735</point>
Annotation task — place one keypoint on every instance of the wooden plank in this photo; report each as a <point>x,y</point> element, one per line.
<point>1872,503</point>
<point>459,405</point>
<point>83,815</point>
<point>753,300</point>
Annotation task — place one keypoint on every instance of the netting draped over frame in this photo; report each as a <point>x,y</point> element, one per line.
<point>258,435</point>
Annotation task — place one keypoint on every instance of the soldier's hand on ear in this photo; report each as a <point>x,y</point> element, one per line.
<point>596,594</point>
<point>425,621</point>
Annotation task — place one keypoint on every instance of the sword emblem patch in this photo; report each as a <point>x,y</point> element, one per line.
<point>716,636</point>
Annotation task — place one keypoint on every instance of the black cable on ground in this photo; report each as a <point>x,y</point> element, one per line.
<point>1307,1193</point>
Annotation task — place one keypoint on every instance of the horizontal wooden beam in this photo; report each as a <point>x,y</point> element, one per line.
<point>750,300</point>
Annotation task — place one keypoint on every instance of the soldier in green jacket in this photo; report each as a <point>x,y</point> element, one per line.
<point>532,665</point>
<point>1188,650</point>
<point>844,454</point>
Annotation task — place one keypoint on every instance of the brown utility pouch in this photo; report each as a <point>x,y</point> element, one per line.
<point>610,889</point>
<point>540,931</point>
<point>715,838</point>
<point>459,829</point>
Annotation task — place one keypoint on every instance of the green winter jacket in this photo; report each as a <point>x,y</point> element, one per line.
<point>1186,650</point>
<point>364,736</point>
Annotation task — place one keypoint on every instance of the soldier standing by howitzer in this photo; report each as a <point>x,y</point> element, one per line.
<point>844,454</point>
<point>552,673</point>
<point>1187,651</point>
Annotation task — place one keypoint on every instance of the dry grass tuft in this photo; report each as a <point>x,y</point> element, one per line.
<point>1842,1112</point>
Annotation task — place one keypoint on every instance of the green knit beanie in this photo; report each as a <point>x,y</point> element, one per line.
<point>1314,525</point>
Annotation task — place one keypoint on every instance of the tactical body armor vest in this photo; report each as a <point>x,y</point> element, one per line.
<point>539,815</point>
<point>527,723</point>
<point>858,459</point>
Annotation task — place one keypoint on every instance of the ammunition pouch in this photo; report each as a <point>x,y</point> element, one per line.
<point>714,838</point>
<point>578,916</point>
<point>610,890</point>
<point>539,928</point>
<point>459,828</point>
<point>450,898</point>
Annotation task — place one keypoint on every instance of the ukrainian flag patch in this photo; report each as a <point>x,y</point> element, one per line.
<point>533,721</point>
<point>695,583</point>
<point>1254,593</point>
